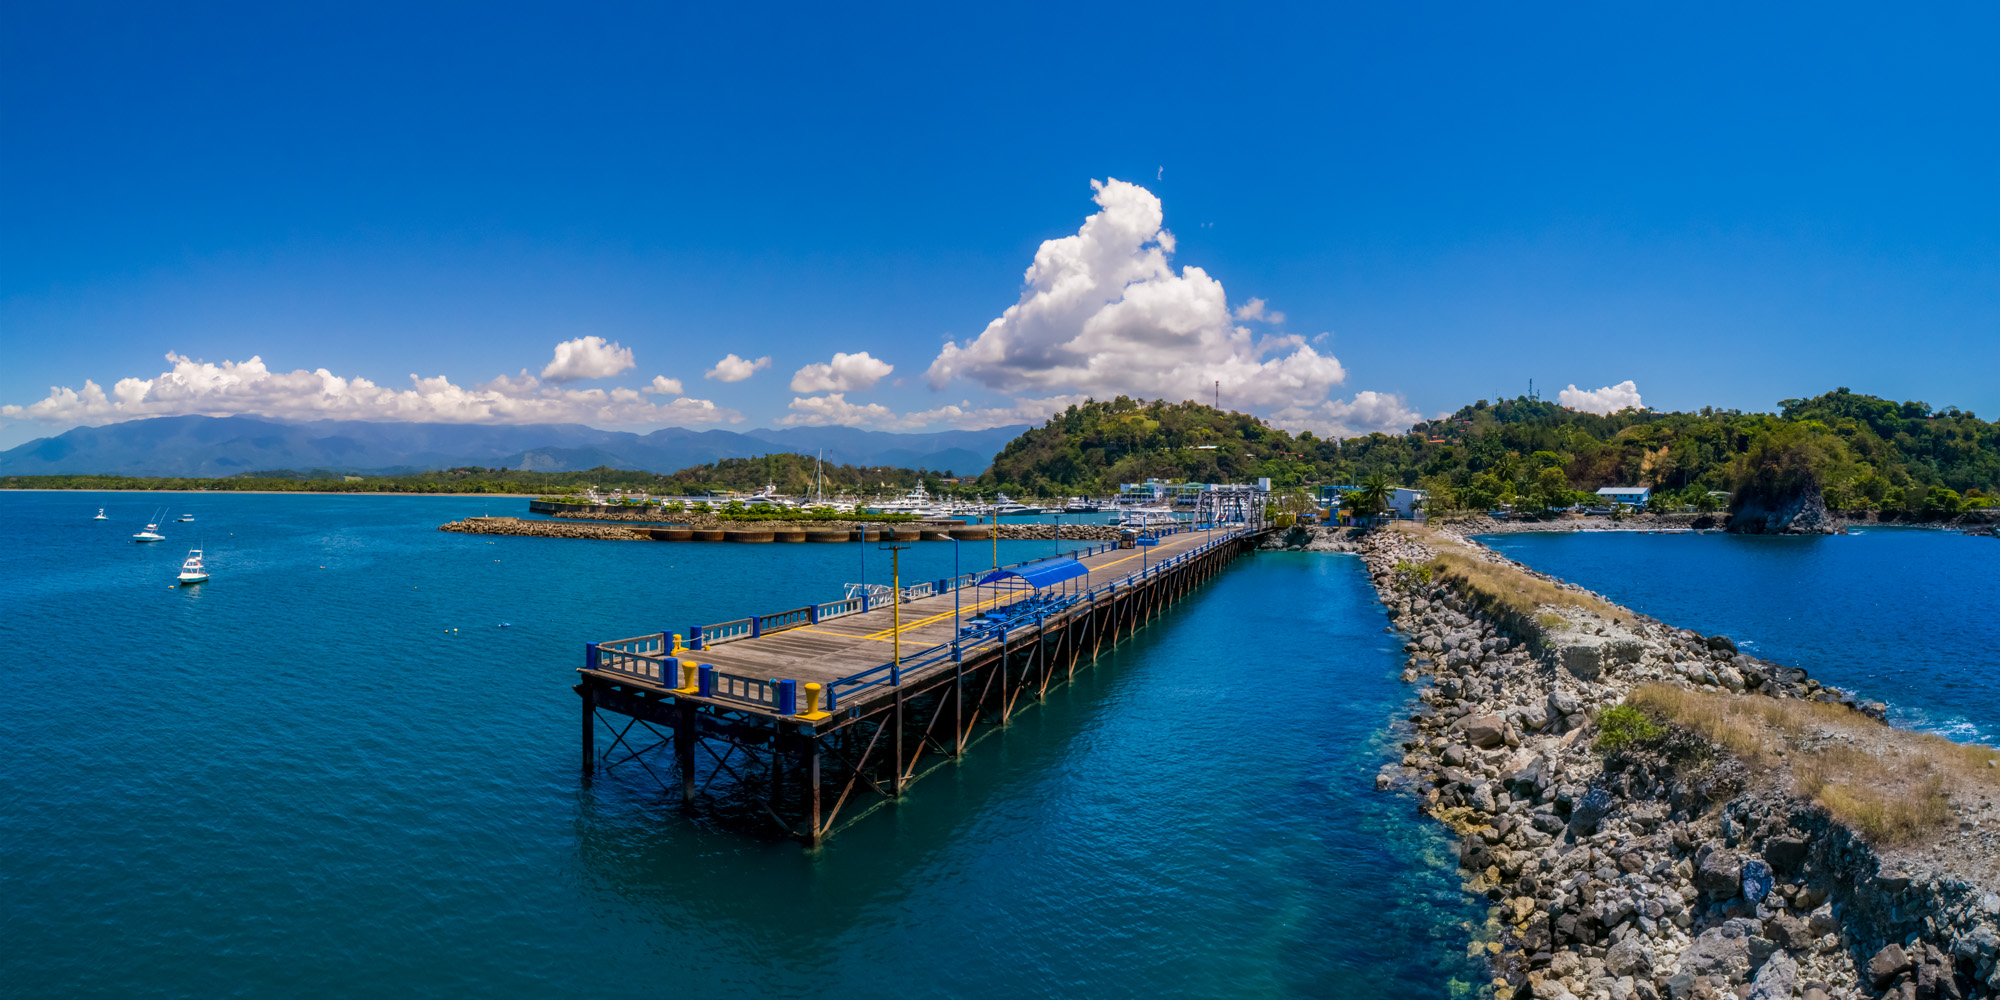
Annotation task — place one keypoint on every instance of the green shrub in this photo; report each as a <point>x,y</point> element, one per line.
<point>1623,726</point>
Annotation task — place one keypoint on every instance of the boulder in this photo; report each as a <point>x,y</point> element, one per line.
<point>1757,880</point>
<point>1719,875</point>
<point>1564,703</point>
<point>1790,932</point>
<point>1785,854</point>
<point>1629,957</point>
<point>1722,644</point>
<point>1590,810</point>
<point>1584,660</point>
<point>1776,980</point>
<point>1483,730</point>
<point>1887,964</point>
<point>1719,951</point>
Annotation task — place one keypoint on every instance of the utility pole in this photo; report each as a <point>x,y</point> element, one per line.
<point>1218,394</point>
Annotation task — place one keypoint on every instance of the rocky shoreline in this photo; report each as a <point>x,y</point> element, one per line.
<point>1973,523</point>
<point>1619,875</point>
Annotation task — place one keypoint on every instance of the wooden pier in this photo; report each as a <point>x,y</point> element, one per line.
<point>801,721</point>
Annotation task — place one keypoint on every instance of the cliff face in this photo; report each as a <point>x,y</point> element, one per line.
<point>1799,510</point>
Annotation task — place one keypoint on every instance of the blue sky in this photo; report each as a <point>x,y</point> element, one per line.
<point>1724,206</point>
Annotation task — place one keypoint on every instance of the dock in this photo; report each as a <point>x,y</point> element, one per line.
<point>798,722</point>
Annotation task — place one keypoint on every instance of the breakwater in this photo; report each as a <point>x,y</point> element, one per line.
<point>779,531</point>
<point>1679,867</point>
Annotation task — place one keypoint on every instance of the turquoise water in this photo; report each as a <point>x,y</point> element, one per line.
<point>329,773</point>
<point>1906,616</point>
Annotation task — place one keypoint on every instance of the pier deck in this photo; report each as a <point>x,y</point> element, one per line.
<point>792,721</point>
<point>828,651</point>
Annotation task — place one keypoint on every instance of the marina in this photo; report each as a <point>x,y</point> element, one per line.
<point>802,721</point>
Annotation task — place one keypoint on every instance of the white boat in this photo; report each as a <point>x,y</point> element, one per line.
<point>184,518</point>
<point>1082,505</point>
<point>1003,504</point>
<point>192,570</point>
<point>152,532</point>
<point>100,515</point>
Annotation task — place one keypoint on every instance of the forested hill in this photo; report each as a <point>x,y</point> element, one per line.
<point>1862,450</point>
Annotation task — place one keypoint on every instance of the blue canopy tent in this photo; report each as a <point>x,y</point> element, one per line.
<point>1038,577</point>
<point>1041,574</point>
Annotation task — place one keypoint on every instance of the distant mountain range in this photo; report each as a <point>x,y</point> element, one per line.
<point>226,446</point>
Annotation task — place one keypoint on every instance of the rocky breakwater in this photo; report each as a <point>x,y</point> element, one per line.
<point>545,529</point>
<point>1313,538</point>
<point>1627,857</point>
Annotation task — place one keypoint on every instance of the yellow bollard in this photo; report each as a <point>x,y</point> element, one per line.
<point>677,645</point>
<point>812,704</point>
<point>690,677</point>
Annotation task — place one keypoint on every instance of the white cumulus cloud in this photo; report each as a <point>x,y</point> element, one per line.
<point>846,373</point>
<point>587,357</point>
<point>664,386</point>
<point>1257,310</point>
<point>1104,313</point>
<point>1610,399</point>
<point>735,369</point>
<point>251,388</point>
<point>833,410</point>
<point>1366,413</point>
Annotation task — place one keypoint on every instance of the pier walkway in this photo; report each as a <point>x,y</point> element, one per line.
<point>799,721</point>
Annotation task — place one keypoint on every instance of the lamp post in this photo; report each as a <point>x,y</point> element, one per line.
<point>1058,533</point>
<point>896,612</point>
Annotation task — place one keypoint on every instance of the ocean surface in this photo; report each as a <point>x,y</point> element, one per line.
<point>1906,616</point>
<point>331,772</point>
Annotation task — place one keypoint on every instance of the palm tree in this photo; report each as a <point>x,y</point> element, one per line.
<point>1373,496</point>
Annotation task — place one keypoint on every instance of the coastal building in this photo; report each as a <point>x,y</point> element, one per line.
<point>1630,496</point>
<point>1404,502</point>
<point>1407,502</point>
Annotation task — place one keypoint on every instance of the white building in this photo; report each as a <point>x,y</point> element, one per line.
<point>1406,502</point>
<point>1630,496</point>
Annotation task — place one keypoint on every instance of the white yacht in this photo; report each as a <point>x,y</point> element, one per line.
<point>918,499</point>
<point>1082,505</point>
<point>192,570</point>
<point>1003,504</point>
<point>152,532</point>
<point>184,518</point>
<point>100,515</point>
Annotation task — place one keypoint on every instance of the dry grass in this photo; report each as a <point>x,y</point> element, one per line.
<point>1500,585</point>
<point>1890,784</point>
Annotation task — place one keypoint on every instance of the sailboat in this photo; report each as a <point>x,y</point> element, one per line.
<point>192,570</point>
<point>100,515</point>
<point>152,532</point>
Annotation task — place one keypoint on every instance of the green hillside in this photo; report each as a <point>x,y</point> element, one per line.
<point>1861,450</point>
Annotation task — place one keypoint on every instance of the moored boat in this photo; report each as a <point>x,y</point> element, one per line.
<point>192,571</point>
<point>152,531</point>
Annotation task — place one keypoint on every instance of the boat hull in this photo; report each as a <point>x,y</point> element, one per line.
<point>184,579</point>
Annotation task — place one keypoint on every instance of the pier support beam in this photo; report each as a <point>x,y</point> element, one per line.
<point>589,694</point>
<point>684,737</point>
